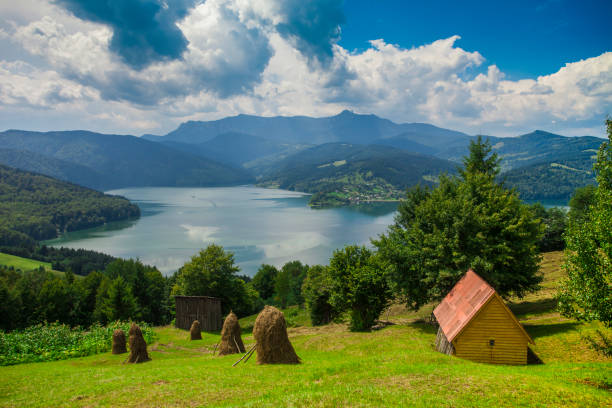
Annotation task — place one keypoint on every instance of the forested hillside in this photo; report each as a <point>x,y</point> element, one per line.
<point>113,161</point>
<point>342,173</point>
<point>36,207</point>
<point>555,180</point>
<point>238,149</point>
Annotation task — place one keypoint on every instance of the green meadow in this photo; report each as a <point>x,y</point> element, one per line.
<point>24,264</point>
<point>394,366</point>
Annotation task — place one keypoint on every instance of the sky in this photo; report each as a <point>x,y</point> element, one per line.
<point>145,66</point>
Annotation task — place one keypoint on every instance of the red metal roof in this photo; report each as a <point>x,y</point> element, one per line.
<point>462,303</point>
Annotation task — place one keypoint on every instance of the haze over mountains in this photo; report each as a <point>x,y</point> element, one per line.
<point>296,153</point>
<point>112,161</point>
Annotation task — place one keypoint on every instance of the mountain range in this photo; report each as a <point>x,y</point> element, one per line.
<point>301,153</point>
<point>112,161</point>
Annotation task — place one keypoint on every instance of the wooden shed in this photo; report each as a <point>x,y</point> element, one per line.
<point>205,309</point>
<point>476,324</point>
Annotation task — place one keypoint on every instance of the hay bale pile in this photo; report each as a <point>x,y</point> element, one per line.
<point>138,346</point>
<point>231,341</point>
<point>119,346</point>
<point>270,333</point>
<point>196,331</point>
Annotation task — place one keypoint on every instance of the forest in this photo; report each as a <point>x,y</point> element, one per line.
<point>34,207</point>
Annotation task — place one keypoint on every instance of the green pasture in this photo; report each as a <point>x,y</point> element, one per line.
<point>25,264</point>
<point>392,367</point>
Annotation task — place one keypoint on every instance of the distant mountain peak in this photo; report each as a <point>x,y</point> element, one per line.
<point>541,134</point>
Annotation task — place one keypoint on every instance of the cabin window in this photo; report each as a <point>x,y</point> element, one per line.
<point>491,343</point>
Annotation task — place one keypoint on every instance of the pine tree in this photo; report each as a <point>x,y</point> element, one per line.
<point>466,222</point>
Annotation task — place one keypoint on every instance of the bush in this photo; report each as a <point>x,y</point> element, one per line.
<point>317,292</point>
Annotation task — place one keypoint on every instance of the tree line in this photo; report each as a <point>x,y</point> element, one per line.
<point>125,290</point>
<point>79,261</point>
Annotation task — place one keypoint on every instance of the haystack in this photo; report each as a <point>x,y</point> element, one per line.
<point>119,346</point>
<point>270,333</point>
<point>138,346</point>
<point>196,330</point>
<point>231,342</point>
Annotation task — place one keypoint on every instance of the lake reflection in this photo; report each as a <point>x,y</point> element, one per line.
<point>257,225</point>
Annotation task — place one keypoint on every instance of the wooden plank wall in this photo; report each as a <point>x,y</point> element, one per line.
<point>492,323</point>
<point>442,343</point>
<point>207,310</point>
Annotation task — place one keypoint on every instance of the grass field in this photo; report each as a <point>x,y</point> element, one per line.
<point>25,264</point>
<point>395,366</point>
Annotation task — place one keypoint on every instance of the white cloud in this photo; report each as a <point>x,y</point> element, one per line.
<point>24,85</point>
<point>238,62</point>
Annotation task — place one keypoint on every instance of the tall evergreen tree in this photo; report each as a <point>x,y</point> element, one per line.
<point>465,222</point>
<point>480,159</point>
<point>119,302</point>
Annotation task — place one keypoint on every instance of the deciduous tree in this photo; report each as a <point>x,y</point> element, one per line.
<point>587,292</point>
<point>359,285</point>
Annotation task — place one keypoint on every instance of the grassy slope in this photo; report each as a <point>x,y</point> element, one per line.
<point>25,264</point>
<point>396,366</point>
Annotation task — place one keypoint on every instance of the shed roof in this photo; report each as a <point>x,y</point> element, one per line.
<point>197,297</point>
<point>462,303</point>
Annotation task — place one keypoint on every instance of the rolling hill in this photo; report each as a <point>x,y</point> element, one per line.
<point>533,148</point>
<point>50,166</point>
<point>37,207</point>
<point>552,180</point>
<point>342,173</point>
<point>112,161</point>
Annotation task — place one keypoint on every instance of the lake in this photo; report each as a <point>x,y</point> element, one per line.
<point>258,225</point>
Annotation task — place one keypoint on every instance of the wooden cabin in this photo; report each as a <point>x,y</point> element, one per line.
<point>475,324</point>
<point>205,309</point>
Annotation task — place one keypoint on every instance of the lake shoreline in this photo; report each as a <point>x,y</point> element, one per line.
<point>258,225</point>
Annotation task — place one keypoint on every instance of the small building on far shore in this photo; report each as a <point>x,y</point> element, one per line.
<point>475,324</point>
<point>205,309</point>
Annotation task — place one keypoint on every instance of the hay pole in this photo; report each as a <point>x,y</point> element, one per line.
<point>245,354</point>
<point>215,349</point>
<point>250,353</point>
<point>247,359</point>
<point>236,343</point>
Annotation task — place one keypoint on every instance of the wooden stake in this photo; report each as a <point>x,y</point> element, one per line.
<point>247,359</point>
<point>236,343</point>
<point>245,354</point>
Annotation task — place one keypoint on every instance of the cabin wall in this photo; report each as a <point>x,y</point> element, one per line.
<point>442,343</point>
<point>206,310</point>
<point>492,323</point>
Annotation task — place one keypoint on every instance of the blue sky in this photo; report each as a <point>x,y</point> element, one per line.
<point>523,38</point>
<point>145,66</point>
